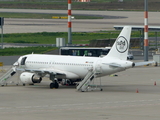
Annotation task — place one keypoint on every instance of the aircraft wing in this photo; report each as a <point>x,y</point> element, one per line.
<point>144,63</point>
<point>47,71</point>
<point>52,71</point>
<point>44,71</point>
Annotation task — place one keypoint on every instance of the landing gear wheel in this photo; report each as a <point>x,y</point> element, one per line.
<point>82,91</point>
<point>31,84</point>
<point>56,85</point>
<point>52,85</point>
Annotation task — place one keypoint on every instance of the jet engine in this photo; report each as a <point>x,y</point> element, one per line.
<point>30,78</point>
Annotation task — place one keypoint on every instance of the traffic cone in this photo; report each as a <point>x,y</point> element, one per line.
<point>155,83</point>
<point>137,91</point>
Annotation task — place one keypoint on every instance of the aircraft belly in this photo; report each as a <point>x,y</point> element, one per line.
<point>79,72</point>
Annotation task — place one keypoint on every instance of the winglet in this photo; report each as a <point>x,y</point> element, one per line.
<point>120,47</point>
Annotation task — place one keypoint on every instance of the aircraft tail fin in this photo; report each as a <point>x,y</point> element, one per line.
<point>120,47</point>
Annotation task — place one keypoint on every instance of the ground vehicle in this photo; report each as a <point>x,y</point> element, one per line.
<point>130,56</point>
<point>88,51</point>
<point>84,51</point>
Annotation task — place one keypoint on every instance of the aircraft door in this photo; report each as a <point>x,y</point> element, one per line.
<point>98,68</point>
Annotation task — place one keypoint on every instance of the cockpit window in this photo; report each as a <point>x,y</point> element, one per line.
<point>23,61</point>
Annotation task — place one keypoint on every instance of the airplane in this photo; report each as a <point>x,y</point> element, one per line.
<point>75,68</point>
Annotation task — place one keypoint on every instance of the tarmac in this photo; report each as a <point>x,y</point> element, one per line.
<point>16,25</point>
<point>133,94</point>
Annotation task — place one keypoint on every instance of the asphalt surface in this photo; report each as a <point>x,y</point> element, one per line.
<point>78,25</point>
<point>8,60</point>
<point>130,95</point>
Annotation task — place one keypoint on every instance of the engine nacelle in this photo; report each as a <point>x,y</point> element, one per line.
<point>29,78</point>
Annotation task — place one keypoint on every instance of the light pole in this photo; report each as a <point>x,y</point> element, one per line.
<point>1,25</point>
<point>69,23</point>
<point>146,42</point>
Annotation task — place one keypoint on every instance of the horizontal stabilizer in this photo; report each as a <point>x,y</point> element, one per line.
<point>144,63</point>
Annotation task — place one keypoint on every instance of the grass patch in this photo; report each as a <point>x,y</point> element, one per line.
<point>93,5</point>
<point>25,50</point>
<point>50,37</point>
<point>77,37</point>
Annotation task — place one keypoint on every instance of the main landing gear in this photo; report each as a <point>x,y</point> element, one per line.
<point>54,85</point>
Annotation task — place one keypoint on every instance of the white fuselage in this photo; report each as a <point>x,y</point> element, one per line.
<point>74,67</point>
